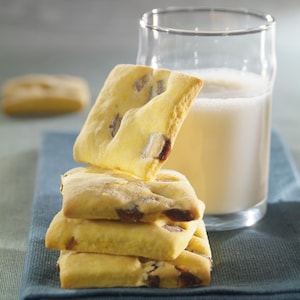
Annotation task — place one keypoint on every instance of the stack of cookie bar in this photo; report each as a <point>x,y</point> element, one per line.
<point>125,221</point>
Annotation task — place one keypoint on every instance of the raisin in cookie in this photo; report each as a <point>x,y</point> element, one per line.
<point>134,122</point>
<point>44,94</point>
<point>96,193</point>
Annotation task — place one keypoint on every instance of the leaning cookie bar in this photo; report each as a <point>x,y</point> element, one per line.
<point>134,122</point>
<point>95,193</point>
<point>191,268</point>
<point>44,94</point>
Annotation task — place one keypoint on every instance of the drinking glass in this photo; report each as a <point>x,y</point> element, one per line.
<point>223,147</point>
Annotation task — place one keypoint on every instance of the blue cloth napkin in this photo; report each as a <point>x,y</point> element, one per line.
<point>260,262</point>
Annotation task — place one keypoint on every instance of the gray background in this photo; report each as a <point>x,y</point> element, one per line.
<point>87,38</point>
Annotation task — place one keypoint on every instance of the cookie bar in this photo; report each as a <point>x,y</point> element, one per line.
<point>135,119</point>
<point>96,193</point>
<point>191,268</point>
<point>161,239</point>
<point>44,94</point>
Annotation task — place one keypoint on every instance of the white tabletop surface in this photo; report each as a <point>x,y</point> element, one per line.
<point>87,38</point>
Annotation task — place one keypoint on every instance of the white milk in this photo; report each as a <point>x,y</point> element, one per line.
<point>223,145</point>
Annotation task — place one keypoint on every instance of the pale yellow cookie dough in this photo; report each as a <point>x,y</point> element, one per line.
<point>135,119</point>
<point>96,193</point>
<point>161,239</point>
<point>44,94</point>
<point>190,269</point>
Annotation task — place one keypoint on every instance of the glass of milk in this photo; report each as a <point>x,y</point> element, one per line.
<point>223,147</point>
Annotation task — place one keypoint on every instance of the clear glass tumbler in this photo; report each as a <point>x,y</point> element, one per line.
<point>223,147</point>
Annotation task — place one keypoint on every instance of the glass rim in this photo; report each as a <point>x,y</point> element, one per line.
<point>267,21</point>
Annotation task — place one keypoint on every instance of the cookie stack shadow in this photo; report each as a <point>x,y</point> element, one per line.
<point>115,229</point>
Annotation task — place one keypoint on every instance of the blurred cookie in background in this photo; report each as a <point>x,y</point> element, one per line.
<point>42,94</point>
